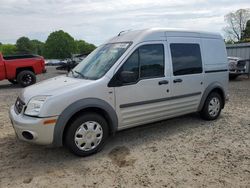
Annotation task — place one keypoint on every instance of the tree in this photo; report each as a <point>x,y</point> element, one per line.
<point>246,32</point>
<point>38,47</point>
<point>59,45</point>
<point>229,41</point>
<point>24,46</point>
<point>236,23</point>
<point>84,47</point>
<point>8,49</point>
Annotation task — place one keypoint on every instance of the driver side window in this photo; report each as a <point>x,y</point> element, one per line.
<point>151,60</point>
<point>131,67</point>
<point>145,62</point>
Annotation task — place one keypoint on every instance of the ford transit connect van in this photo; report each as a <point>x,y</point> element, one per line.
<point>135,78</point>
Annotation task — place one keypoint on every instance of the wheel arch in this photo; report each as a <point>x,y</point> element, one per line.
<point>214,87</point>
<point>79,107</point>
<point>20,69</point>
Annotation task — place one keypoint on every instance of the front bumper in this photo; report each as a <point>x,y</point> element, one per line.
<point>42,134</point>
<point>237,72</point>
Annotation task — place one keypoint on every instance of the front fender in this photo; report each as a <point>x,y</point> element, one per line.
<point>77,106</point>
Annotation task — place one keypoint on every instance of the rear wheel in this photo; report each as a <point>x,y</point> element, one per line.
<point>212,107</point>
<point>86,134</point>
<point>13,81</point>
<point>26,78</point>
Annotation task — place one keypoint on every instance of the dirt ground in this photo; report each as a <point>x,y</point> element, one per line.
<point>181,152</point>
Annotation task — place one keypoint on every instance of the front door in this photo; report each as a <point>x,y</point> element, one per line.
<point>144,85</point>
<point>187,73</point>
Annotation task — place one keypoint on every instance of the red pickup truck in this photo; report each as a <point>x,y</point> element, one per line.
<point>21,69</point>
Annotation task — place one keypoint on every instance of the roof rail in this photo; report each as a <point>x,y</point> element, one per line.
<point>123,32</point>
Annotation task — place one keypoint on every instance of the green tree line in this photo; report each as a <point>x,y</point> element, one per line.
<point>59,45</point>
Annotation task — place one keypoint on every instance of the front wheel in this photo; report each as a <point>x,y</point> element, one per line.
<point>212,107</point>
<point>86,134</point>
<point>26,78</point>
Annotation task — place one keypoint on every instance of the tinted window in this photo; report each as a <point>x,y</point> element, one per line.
<point>186,59</point>
<point>132,65</point>
<point>151,60</point>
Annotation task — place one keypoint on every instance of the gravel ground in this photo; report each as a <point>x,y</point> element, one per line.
<point>181,152</point>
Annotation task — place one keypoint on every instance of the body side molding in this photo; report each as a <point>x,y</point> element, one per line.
<point>158,100</point>
<point>219,70</point>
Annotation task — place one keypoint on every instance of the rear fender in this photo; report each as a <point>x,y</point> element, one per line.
<point>211,87</point>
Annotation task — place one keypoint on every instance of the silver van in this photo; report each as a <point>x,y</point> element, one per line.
<point>135,78</point>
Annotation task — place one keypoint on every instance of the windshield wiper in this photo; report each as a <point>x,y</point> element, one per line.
<point>79,73</point>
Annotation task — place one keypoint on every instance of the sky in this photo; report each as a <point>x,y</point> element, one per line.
<point>95,21</point>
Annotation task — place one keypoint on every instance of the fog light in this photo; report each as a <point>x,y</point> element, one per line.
<point>27,135</point>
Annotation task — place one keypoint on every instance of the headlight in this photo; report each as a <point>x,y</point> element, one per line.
<point>34,106</point>
<point>232,65</point>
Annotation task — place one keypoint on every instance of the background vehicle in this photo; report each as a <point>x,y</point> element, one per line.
<point>54,62</point>
<point>135,78</point>
<point>68,65</point>
<point>71,62</point>
<point>237,67</point>
<point>21,69</point>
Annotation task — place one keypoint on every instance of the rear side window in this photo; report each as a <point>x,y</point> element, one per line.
<point>186,58</point>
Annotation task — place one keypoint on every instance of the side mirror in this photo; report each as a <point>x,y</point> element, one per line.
<point>128,76</point>
<point>123,77</point>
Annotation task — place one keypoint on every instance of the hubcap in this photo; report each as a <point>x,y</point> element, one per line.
<point>88,136</point>
<point>214,107</point>
<point>27,79</point>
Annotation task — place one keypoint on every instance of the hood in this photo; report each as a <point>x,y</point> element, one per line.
<point>53,86</point>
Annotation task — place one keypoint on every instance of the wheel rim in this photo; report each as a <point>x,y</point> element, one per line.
<point>214,107</point>
<point>27,79</point>
<point>88,136</point>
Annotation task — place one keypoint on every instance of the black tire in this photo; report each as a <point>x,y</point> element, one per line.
<point>70,135</point>
<point>26,78</point>
<point>13,81</point>
<point>205,114</point>
<point>232,76</point>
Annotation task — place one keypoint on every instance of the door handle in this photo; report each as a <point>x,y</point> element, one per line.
<point>177,80</point>
<point>163,82</point>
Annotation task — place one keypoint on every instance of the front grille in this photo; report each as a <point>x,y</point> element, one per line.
<point>241,64</point>
<point>19,105</point>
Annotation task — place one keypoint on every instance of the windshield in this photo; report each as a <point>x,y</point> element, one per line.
<point>95,65</point>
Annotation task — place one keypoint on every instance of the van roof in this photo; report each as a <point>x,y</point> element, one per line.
<point>160,34</point>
